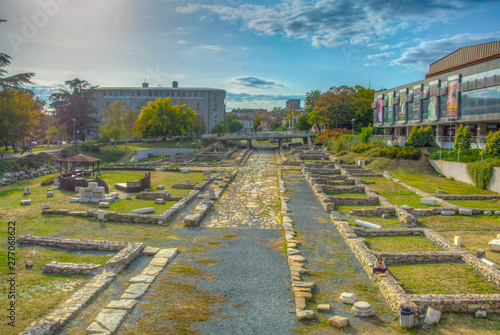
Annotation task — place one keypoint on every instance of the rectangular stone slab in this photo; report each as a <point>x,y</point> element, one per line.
<point>135,291</point>
<point>126,304</point>
<point>151,270</point>
<point>166,253</point>
<point>110,319</point>
<point>161,262</point>
<point>142,279</point>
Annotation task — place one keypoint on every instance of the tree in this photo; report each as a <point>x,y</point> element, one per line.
<point>199,126</point>
<point>235,126</point>
<point>314,120</point>
<point>130,116</point>
<point>335,107</point>
<point>362,106</point>
<point>311,98</point>
<point>161,118</point>
<point>462,138</point>
<point>219,128</point>
<point>112,121</point>
<point>257,119</point>
<point>303,123</point>
<point>20,114</point>
<point>75,105</point>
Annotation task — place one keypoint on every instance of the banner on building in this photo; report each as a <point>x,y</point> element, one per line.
<point>402,110</point>
<point>390,109</point>
<point>417,104</point>
<point>452,102</point>
<point>432,109</point>
<point>379,111</point>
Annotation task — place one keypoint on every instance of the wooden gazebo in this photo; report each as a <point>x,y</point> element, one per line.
<point>80,159</point>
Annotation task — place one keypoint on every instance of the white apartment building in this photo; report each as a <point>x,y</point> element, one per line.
<point>207,102</point>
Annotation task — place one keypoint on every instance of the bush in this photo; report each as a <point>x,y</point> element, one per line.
<point>462,139</point>
<point>362,147</point>
<point>421,137</point>
<point>396,152</point>
<point>492,146</point>
<point>480,173</point>
<point>365,134</point>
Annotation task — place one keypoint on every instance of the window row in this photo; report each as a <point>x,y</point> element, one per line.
<point>154,94</point>
<point>141,104</point>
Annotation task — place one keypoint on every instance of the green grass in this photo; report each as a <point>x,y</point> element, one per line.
<point>397,194</point>
<point>432,183</point>
<point>477,222</point>
<point>347,208</point>
<point>348,195</point>
<point>401,244</point>
<point>125,206</point>
<point>443,278</point>
<point>484,204</point>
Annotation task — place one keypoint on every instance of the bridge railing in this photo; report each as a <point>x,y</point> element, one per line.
<point>259,134</point>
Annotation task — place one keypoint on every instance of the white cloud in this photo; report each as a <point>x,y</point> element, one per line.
<point>255,82</point>
<point>380,56</point>
<point>427,52</point>
<point>182,42</point>
<point>330,23</point>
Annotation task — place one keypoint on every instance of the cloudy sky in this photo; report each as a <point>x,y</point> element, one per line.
<point>260,52</point>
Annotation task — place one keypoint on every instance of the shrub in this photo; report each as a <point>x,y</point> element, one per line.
<point>421,137</point>
<point>480,173</point>
<point>492,146</point>
<point>362,147</point>
<point>404,152</point>
<point>366,132</point>
<point>462,139</point>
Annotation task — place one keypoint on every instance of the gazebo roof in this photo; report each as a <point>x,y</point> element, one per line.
<point>79,159</point>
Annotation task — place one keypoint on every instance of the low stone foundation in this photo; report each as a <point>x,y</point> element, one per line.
<point>71,268</point>
<point>371,212</point>
<point>157,195</point>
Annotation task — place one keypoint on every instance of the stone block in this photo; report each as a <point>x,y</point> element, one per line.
<point>26,191</point>
<point>447,213</point>
<point>188,181</point>
<point>480,253</point>
<point>432,316</point>
<point>458,241</point>
<point>126,304</point>
<point>128,197</point>
<point>465,211</point>
<point>385,216</point>
<point>192,220</point>
<point>304,314</point>
<point>135,291</point>
<point>490,263</point>
<point>488,213</point>
<point>77,188</point>
<point>338,321</point>
<point>497,212</point>
<point>50,194</point>
<point>159,201</point>
<point>300,302</point>
<point>100,215</point>
<point>103,204</point>
<point>45,206</point>
<point>167,253</point>
<point>150,251</point>
<point>348,298</point>
<point>366,224</point>
<point>26,202</point>
<point>323,308</point>
<point>160,187</point>
<point>441,192</point>
<point>111,319</point>
<point>362,308</point>
<point>143,210</point>
<point>93,185</point>
<point>74,199</point>
<point>481,314</point>
<point>428,202</point>
<point>494,245</point>
<point>95,328</point>
<point>142,279</point>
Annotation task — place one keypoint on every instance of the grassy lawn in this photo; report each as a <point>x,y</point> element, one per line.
<point>350,195</point>
<point>391,222</point>
<point>345,209</point>
<point>447,278</point>
<point>485,204</point>
<point>459,222</point>
<point>432,183</point>
<point>473,240</point>
<point>401,244</point>
<point>396,194</point>
<point>125,206</point>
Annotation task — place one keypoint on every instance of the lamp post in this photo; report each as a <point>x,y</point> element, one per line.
<point>77,134</point>
<point>31,143</point>
<point>74,132</point>
<point>353,120</point>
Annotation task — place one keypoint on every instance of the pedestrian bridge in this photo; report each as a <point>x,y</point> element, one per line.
<point>306,136</point>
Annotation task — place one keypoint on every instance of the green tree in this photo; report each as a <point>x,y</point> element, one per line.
<point>130,116</point>
<point>314,120</point>
<point>492,145</point>
<point>75,105</point>
<point>362,106</point>
<point>303,123</point>
<point>365,134</point>
<point>199,125</point>
<point>234,126</point>
<point>112,125</point>
<point>161,118</point>
<point>219,128</point>
<point>335,106</point>
<point>20,115</point>
<point>311,98</point>
<point>463,138</point>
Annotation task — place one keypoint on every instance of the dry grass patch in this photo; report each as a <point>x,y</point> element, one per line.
<point>400,244</point>
<point>441,278</point>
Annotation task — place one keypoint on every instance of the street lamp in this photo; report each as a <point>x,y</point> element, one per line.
<point>31,143</point>
<point>74,135</point>
<point>77,134</point>
<point>353,120</point>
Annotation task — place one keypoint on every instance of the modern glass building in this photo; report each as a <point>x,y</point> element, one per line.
<point>460,88</point>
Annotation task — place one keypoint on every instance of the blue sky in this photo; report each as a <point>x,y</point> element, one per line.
<point>260,52</point>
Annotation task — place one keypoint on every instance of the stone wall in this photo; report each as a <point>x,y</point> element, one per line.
<point>184,186</point>
<point>157,195</point>
<point>379,211</point>
<point>465,196</point>
<point>49,324</point>
<point>71,268</point>
<point>335,189</point>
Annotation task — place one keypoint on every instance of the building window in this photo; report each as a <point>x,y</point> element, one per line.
<point>178,94</point>
<point>116,93</point>
<point>201,94</point>
<point>216,95</point>
<point>162,94</point>
<point>104,93</point>
<point>216,105</point>
<point>190,94</point>
<point>130,104</point>
<point>183,94</point>
<point>198,105</point>
<point>127,93</point>
<point>215,116</point>
<point>155,93</point>
<point>195,94</point>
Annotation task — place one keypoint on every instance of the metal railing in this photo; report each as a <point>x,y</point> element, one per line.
<point>260,134</point>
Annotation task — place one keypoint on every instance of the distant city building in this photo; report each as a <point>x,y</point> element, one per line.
<point>293,104</point>
<point>207,102</point>
<point>460,88</point>
<point>249,112</point>
<point>247,122</point>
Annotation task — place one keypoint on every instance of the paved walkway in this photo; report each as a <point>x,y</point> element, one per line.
<point>251,201</point>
